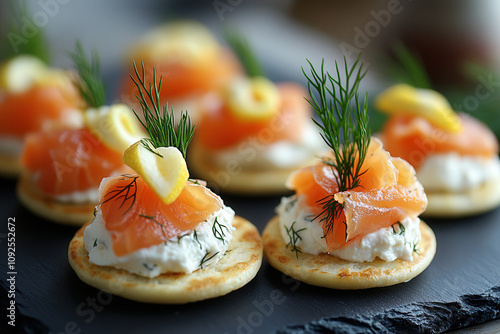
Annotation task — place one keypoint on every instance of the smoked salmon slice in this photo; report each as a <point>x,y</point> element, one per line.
<point>130,208</point>
<point>220,129</point>
<point>415,138</point>
<point>388,192</point>
<point>21,113</point>
<point>66,161</point>
<point>182,80</point>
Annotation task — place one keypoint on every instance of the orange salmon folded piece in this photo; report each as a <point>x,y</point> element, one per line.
<point>388,192</point>
<point>131,208</point>
<point>219,129</point>
<point>28,111</point>
<point>415,138</point>
<point>67,161</point>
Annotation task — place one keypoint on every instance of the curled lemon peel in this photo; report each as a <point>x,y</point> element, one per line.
<point>406,100</point>
<point>163,169</point>
<point>253,99</point>
<point>115,126</point>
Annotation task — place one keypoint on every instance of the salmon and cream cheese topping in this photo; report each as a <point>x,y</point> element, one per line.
<point>379,217</point>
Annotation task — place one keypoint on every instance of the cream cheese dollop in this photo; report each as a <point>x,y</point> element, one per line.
<point>452,172</point>
<point>182,254</point>
<point>388,244</point>
<point>277,155</point>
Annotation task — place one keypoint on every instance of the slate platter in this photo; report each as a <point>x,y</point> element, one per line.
<point>461,287</point>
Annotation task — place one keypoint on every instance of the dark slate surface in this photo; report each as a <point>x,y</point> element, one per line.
<point>430,317</point>
<point>461,287</point>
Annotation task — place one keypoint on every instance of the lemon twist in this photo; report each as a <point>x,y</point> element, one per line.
<point>19,73</point>
<point>115,126</point>
<point>253,99</point>
<point>163,169</point>
<point>407,100</point>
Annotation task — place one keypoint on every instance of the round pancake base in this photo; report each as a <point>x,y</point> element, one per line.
<point>335,273</point>
<point>236,179</point>
<point>58,212</point>
<point>10,166</point>
<point>473,202</point>
<point>236,268</point>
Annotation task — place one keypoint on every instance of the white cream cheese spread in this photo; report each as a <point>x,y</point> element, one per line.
<point>453,172</point>
<point>254,154</point>
<point>184,254</point>
<point>396,242</point>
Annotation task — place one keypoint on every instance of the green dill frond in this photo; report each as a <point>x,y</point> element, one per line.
<point>410,69</point>
<point>90,83</point>
<point>16,41</point>
<point>158,122</point>
<point>344,127</point>
<point>244,52</point>
<point>294,237</point>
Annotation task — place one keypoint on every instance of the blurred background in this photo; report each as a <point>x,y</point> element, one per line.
<point>455,40</point>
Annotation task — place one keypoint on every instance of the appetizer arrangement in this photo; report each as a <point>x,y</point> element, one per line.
<point>62,168</point>
<point>353,221</point>
<point>191,60</point>
<point>253,132</point>
<point>158,236</point>
<point>455,155</point>
<point>33,96</point>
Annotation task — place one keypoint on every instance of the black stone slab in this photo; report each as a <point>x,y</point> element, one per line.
<point>460,287</point>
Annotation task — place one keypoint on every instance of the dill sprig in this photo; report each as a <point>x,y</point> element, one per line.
<point>126,193</point>
<point>15,41</point>
<point>218,231</point>
<point>294,237</point>
<point>344,122</point>
<point>90,84</point>
<point>158,122</point>
<point>411,70</point>
<point>205,259</point>
<point>244,52</point>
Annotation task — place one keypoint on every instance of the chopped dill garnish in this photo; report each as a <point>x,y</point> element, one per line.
<point>149,267</point>
<point>344,122</point>
<point>17,40</point>
<point>401,228</point>
<point>290,204</point>
<point>127,193</point>
<point>416,249</point>
<point>90,82</point>
<point>158,122</point>
<point>218,231</point>
<point>205,259</point>
<point>182,236</point>
<point>294,237</point>
<point>242,48</point>
<point>195,237</point>
<point>152,218</point>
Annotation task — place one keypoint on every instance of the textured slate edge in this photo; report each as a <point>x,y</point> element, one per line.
<point>431,317</point>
